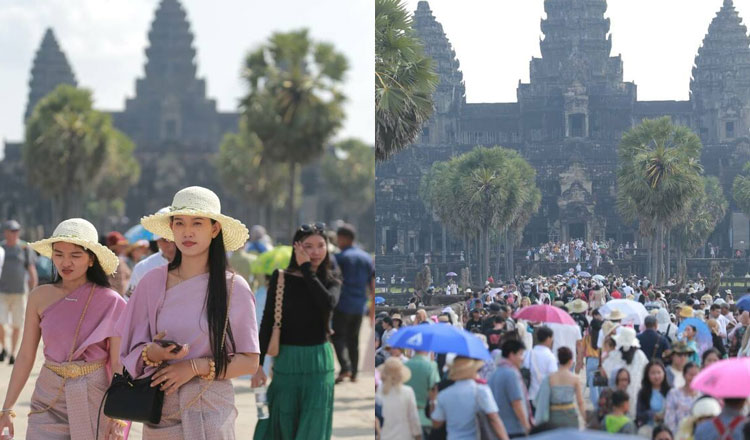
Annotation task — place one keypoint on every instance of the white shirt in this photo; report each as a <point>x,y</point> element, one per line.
<point>401,419</point>
<point>2,259</point>
<point>543,364</point>
<point>723,321</point>
<point>142,268</point>
<point>565,336</point>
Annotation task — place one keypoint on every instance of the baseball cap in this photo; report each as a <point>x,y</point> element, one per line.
<point>11,225</point>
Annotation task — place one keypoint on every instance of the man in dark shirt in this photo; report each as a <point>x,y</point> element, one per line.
<point>475,322</point>
<point>649,339</point>
<point>358,272</point>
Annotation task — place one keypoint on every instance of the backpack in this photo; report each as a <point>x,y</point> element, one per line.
<point>725,433</point>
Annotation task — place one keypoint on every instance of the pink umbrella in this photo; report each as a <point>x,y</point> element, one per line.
<point>725,378</point>
<point>544,313</point>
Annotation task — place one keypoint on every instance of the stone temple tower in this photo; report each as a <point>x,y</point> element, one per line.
<point>50,69</point>
<point>575,76</point>
<point>450,95</point>
<point>170,105</point>
<point>720,87</point>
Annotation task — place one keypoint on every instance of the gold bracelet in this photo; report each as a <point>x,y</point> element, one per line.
<point>9,411</point>
<point>146,360</point>
<point>211,370</point>
<point>122,423</point>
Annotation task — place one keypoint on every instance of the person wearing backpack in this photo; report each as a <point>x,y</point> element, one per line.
<point>727,425</point>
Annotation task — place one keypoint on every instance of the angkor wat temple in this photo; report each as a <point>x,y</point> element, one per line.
<point>567,122</point>
<point>175,126</point>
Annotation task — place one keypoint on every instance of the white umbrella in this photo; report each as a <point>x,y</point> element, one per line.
<point>634,311</point>
<point>599,277</point>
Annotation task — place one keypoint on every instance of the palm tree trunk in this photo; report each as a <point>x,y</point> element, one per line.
<point>292,183</point>
<point>499,261</point>
<point>654,254</point>
<point>445,245</point>
<point>510,245</point>
<point>659,254</point>
<point>669,255</point>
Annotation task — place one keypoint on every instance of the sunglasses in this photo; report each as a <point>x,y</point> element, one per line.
<point>313,227</point>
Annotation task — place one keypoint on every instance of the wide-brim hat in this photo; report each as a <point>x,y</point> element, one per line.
<point>80,232</point>
<point>197,201</point>
<point>464,368</point>
<point>577,306</point>
<point>626,338</point>
<point>686,312</point>
<point>396,316</point>
<point>393,367</point>
<point>616,315</point>
<point>679,347</point>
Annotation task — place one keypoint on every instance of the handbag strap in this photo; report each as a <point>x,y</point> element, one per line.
<point>279,300</point>
<point>70,355</point>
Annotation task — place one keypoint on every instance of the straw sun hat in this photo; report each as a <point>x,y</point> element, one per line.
<point>82,233</point>
<point>198,202</point>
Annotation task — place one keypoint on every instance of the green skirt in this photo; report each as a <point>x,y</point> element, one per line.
<point>300,397</point>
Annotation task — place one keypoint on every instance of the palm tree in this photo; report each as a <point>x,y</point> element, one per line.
<point>404,80</point>
<point>704,212</point>
<point>741,189</point>
<point>483,191</point>
<point>295,102</point>
<point>69,149</point>
<point>659,172</point>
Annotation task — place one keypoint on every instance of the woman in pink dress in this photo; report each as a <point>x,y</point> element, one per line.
<point>187,302</point>
<point>75,315</point>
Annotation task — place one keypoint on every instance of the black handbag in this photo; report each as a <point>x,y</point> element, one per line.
<point>134,400</point>
<point>600,380</point>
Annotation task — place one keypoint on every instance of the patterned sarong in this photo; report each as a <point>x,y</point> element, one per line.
<point>74,415</point>
<point>210,417</point>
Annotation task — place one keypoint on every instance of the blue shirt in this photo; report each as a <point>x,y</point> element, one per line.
<point>357,270</point>
<point>506,384</point>
<point>706,430</point>
<point>458,405</point>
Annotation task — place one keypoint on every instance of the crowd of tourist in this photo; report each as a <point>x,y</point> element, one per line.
<point>612,370</point>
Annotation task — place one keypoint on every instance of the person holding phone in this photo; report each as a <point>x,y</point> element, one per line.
<point>191,325</point>
<point>300,397</point>
<point>75,315</point>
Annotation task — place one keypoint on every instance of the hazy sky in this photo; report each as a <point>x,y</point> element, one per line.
<point>658,40</point>
<point>105,40</point>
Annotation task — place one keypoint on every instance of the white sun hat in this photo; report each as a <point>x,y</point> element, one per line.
<point>80,232</point>
<point>626,338</point>
<point>198,202</point>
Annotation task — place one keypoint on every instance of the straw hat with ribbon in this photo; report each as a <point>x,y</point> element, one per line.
<point>82,233</point>
<point>198,202</point>
<point>393,373</point>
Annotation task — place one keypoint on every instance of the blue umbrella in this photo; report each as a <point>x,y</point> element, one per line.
<point>744,303</point>
<point>379,300</point>
<point>440,338</point>
<point>575,434</point>
<point>704,333</point>
<point>138,232</point>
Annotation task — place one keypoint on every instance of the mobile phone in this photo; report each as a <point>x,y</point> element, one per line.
<point>167,343</point>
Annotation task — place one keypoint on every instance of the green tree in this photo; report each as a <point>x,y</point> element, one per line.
<point>404,80</point>
<point>659,173</point>
<point>73,152</point>
<point>295,102</point>
<point>249,174</point>
<point>704,212</point>
<point>741,189</point>
<point>348,173</point>
<point>484,190</point>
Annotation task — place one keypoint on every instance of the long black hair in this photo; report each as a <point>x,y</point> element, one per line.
<point>216,300</point>
<point>326,272</point>
<point>94,274</point>
<point>644,395</point>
